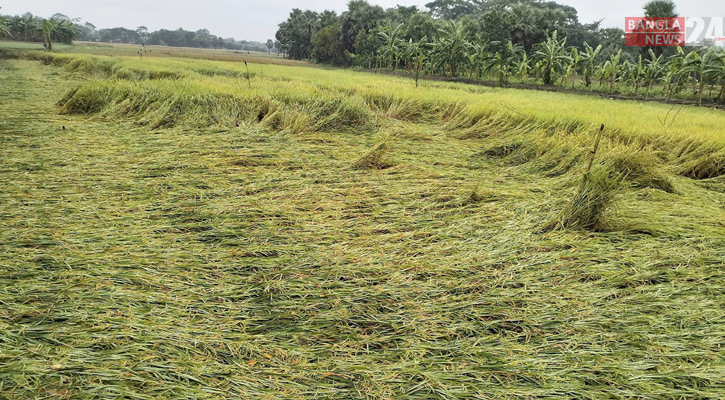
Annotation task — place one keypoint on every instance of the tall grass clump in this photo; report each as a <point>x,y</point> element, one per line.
<point>375,157</point>
<point>640,169</point>
<point>207,102</point>
<point>707,162</point>
<point>596,195</point>
<point>621,168</point>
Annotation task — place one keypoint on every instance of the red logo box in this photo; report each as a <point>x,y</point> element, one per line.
<point>644,31</point>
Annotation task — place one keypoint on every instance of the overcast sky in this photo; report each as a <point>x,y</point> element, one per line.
<point>257,20</point>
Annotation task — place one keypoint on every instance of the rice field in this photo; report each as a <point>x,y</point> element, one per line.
<point>183,228</point>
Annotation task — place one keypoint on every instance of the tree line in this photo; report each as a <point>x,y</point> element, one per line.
<point>59,28</point>
<point>503,40</point>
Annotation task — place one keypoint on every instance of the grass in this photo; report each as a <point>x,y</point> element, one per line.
<point>221,255</point>
<point>152,51</point>
<point>319,99</point>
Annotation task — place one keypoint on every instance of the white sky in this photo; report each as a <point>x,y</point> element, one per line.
<point>258,20</point>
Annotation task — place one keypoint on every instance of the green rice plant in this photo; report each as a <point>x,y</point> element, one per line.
<point>167,103</point>
<point>641,169</point>
<point>595,196</point>
<point>215,260</point>
<point>375,157</point>
<point>704,165</point>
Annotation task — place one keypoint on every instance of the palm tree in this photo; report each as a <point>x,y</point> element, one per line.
<point>552,57</point>
<point>660,9</point>
<point>452,45</point>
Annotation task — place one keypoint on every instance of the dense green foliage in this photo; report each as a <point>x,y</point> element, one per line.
<point>33,29</point>
<point>28,27</point>
<point>500,40</point>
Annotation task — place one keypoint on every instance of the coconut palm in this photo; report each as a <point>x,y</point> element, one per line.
<point>660,9</point>
<point>552,58</point>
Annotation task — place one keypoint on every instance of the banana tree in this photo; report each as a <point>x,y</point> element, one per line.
<point>523,67</point>
<point>639,74</point>
<point>411,50</point>
<point>508,59</point>
<point>390,51</point>
<point>674,75</point>
<point>47,27</point>
<point>600,74</point>
<point>572,66</point>
<point>4,31</point>
<point>416,56</point>
<point>452,45</point>
<point>552,58</point>
<point>716,71</point>
<point>654,70</point>
<point>472,58</point>
<point>588,58</point>
<point>613,69</point>
<point>65,31</point>
<point>57,30</point>
<point>697,65</point>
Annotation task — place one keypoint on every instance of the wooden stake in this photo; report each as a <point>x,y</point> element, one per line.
<point>596,147</point>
